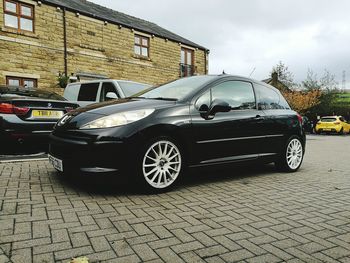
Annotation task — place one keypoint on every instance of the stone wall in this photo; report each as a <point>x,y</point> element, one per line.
<point>93,47</point>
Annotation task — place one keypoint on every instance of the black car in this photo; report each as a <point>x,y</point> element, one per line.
<point>27,116</point>
<point>191,122</point>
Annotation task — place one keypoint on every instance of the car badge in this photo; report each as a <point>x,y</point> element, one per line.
<point>49,105</point>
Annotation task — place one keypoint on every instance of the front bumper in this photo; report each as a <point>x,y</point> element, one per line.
<point>87,155</point>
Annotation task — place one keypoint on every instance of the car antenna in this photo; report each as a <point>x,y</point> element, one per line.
<point>252,72</point>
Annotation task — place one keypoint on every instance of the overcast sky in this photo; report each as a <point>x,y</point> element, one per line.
<point>247,34</point>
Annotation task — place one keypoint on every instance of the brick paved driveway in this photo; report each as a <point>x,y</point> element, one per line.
<point>238,214</point>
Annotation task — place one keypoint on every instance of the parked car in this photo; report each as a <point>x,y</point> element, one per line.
<point>28,115</point>
<point>333,124</point>
<point>191,122</point>
<point>85,93</point>
<point>308,125</point>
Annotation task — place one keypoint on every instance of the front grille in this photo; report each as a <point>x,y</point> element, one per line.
<point>66,151</point>
<point>72,135</point>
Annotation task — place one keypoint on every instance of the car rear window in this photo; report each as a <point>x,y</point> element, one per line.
<point>42,94</point>
<point>328,119</point>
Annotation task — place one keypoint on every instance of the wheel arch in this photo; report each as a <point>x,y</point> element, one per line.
<point>173,132</point>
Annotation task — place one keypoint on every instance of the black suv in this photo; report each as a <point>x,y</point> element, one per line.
<point>190,122</point>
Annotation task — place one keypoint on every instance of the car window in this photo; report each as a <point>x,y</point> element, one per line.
<point>269,99</point>
<point>328,119</point>
<point>131,88</point>
<point>108,87</point>
<point>71,92</point>
<point>204,99</point>
<point>88,92</point>
<point>238,94</point>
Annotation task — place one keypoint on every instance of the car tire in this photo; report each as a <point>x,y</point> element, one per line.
<point>160,164</point>
<point>292,155</point>
<point>341,132</point>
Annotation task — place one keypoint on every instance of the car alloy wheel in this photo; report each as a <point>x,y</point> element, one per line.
<point>294,154</point>
<point>291,156</point>
<point>161,164</point>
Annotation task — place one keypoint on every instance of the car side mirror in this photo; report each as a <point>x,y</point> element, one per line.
<point>111,96</point>
<point>218,106</point>
<point>203,108</point>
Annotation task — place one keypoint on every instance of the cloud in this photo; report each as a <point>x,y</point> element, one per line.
<point>243,35</point>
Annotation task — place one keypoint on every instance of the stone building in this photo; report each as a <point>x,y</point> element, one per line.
<point>41,39</point>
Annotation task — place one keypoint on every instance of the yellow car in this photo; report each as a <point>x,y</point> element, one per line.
<point>332,124</point>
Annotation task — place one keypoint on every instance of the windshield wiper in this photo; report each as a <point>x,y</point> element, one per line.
<point>151,98</point>
<point>163,98</point>
<point>136,97</point>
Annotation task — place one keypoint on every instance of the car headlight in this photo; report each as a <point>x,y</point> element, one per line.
<point>118,119</point>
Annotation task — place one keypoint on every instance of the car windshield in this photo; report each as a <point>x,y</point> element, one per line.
<point>31,93</point>
<point>131,88</point>
<point>176,90</point>
<point>328,119</point>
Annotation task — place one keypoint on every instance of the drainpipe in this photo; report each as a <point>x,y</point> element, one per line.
<point>206,54</point>
<point>65,43</point>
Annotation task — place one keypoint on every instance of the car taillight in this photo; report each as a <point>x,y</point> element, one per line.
<point>337,123</point>
<point>300,119</point>
<point>8,108</point>
<point>69,109</point>
<point>20,110</point>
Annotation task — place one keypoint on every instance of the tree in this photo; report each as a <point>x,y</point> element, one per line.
<point>326,83</point>
<point>284,75</point>
<point>303,101</point>
<point>311,82</point>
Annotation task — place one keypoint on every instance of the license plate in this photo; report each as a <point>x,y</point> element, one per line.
<point>56,163</point>
<point>47,114</point>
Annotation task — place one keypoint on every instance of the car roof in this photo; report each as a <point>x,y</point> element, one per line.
<point>105,80</point>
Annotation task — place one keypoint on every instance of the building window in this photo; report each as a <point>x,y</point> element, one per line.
<point>141,47</point>
<point>19,16</point>
<point>24,82</point>
<point>187,61</point>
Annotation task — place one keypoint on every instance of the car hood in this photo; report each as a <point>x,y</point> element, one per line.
<point>121,105</point>
<point>83,115</point>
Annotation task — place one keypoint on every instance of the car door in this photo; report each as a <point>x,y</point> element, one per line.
<point>227,136</point>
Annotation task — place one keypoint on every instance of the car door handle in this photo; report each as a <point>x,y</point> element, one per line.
<point>259,117</point>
